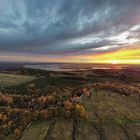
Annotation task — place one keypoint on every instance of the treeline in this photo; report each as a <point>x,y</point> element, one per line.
<point>117,87</point>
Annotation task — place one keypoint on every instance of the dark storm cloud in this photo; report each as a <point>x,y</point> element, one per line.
<point>67,26</point>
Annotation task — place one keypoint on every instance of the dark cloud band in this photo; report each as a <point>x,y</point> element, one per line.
<point>67,26</point>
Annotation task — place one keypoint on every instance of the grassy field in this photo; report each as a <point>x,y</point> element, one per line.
<point>81,130</point>
<point>7,80</point>
<point>109,105</point>
<point>37,131</point>
<point>60,129</point>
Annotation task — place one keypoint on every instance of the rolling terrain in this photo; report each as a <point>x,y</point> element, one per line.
<point>73,105</point>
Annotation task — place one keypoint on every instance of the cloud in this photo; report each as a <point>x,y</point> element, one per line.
<point>68,27</point>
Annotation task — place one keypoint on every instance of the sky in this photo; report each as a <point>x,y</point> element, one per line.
<point>94,31</point>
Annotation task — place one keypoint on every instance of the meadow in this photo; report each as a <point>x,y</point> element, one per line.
<point>7,80</point>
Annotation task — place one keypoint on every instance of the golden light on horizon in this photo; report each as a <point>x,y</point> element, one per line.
<point>128,55</point>
<point>122,56</point>
<point>116,61</point>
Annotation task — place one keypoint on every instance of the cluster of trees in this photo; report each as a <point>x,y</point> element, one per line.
<point>5,100</point>
<point>13,121</point>
<point>17,110</point>
<point>117,87</point>
<point>86,92</point>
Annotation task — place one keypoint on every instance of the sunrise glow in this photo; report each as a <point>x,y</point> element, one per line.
<point>120,56</point>
<point>130,55</point>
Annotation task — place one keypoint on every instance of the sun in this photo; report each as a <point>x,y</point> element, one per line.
<point>114,61</point>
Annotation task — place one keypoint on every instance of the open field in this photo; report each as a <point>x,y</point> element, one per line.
<point>81,130</point>
<point>50,130</point>
<point>37,131</point>
<point>106,105</point>
<point>13,79</point>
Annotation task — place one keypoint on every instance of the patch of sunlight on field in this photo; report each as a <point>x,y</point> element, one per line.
<point>13,79</point>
